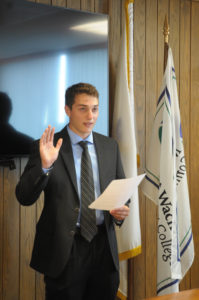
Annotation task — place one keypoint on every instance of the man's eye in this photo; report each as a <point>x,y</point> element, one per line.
<point>95,109</point>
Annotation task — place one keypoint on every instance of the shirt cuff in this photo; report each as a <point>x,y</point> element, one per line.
<point>47,171</point>
<point>118,222</point>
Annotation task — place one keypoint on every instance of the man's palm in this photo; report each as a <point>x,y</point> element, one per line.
<point>48,151</point>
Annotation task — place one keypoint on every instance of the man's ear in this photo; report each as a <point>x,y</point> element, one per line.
<point>67,110</point>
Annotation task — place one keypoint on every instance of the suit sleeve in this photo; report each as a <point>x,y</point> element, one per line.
<point>120,170</point>
<point>33,179</point>
<point>120,175</point>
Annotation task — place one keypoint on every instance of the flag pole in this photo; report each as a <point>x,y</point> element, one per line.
<point>166,41</point>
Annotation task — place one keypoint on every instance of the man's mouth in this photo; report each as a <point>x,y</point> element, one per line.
<point>88,124</point>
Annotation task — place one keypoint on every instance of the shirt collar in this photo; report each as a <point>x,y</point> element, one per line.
<point>75,138</point>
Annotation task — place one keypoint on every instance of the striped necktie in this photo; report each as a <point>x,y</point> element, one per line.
<point>88,217</point>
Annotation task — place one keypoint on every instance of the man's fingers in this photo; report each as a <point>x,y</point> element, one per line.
<point>51,134</point>
<point>120,213</point>
<point>48,135</point>
<point>43,138</point>
<point>121,210</point>
<point>59,143</point>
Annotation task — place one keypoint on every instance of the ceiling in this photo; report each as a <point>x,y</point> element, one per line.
<point>28,28</point>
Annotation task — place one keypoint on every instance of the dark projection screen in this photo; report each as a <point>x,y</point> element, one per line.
<point>43,50</point>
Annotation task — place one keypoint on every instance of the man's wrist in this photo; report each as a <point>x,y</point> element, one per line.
<point>47,170</point>
<point>118,222</point>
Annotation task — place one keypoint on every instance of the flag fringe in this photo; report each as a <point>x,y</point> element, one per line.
<point>121,296</point>
<point>130,253</point>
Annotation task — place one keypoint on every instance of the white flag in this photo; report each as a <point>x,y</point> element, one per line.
<point>128,236</point>
<point>166,185</point>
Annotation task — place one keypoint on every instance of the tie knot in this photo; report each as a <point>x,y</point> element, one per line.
<point>83,144</point>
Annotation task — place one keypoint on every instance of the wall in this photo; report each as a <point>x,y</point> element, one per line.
<point>17,224</point>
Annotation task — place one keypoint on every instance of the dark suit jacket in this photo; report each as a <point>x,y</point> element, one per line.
<point>56,227</point>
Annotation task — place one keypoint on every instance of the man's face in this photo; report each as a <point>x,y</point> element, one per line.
<point>83,115</point>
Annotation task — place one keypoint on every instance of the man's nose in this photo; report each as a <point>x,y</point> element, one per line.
<point>90,114</point>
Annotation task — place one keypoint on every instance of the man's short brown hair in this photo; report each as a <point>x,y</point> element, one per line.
<point>79,88</point>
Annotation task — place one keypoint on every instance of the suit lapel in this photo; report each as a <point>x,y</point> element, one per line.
<point>67,156</point>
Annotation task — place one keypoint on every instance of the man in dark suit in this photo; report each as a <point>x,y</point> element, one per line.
<point>74,267</point>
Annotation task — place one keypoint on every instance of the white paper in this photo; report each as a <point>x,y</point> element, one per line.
<point>117,193</point>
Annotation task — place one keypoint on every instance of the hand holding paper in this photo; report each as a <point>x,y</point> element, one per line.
<point>117,193</point>
<point>120,213</point>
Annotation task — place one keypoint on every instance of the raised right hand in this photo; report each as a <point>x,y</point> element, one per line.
<point>49,152</point>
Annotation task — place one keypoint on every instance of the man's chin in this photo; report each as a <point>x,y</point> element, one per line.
<point>88,128</point>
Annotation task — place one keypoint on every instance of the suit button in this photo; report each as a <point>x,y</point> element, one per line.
<point>72,232</point>
<point>76,209</point>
